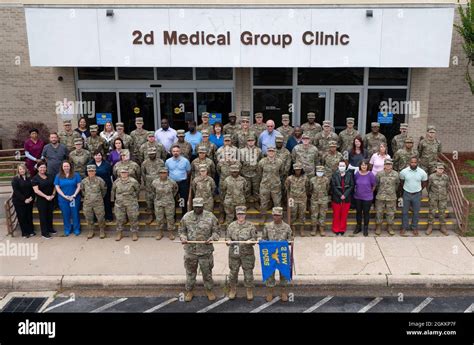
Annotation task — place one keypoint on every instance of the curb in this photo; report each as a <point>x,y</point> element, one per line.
<point>41,283</point>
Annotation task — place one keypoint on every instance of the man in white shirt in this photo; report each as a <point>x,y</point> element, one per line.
<point>166,135</point>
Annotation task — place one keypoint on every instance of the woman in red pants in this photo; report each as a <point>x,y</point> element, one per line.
<point>342,184</point>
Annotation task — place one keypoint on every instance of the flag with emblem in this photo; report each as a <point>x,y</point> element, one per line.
<point>275,255</point>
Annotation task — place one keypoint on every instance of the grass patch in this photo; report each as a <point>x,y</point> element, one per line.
<point>468,175</point>
<point>469,194</point>
<point>470,162</point>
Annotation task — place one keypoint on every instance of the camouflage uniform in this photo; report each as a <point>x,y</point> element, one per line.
<point>319,190</point>
<point>438,197</point>
<point>258,128</point>
<point>372,142</point>
<point>229,128</point>
<point>186,149</point>
<point>386,199</point>
<point>220,153</point>
<point>139,137</point>
<point>270,186</point>
<point>202,126</point>
<point>240,136</point>
<point>198,228</point>
<point>127,141</point>
<point>211,167</point>
<point>429,151</point>
<point>94,190</point>
<point>67,138</point>
<point>96,143</point>
<point>210,149</point>
<point>223,169</point>
<point>346,137</point>
<point>164,195</point>
<point>235,191</point>
<point>150,171</point>
<point>401,159</point>
<point>241,254</point>
<point>398,141</point>
<point>285,131</point>
<point>276,232</point>
<point>79,161</point>
<point>125,194</point>
<point>204,187</point>
<point>133,168</point>
<point>249,157</point>
<point>313,129</point>
<point>160,150</point>
<point>331,161</point>
<point>321,141</point>
<point>297,188</point>
<point>308,156</point>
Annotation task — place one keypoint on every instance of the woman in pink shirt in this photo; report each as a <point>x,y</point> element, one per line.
<point>378,158</point>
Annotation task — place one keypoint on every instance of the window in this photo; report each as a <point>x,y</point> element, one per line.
<point>388,76</point>
<point>272,103</point>
<point>105,102</point>
<point>330,76</point>
<point>214,73</point>
<point>214,102</point>
<point>135,73</point>
<point>137,104</point>
<point>174,73</point>
<point>272,76</point>
<point>96,73</point>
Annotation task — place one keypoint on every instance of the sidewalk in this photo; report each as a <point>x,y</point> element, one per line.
<point>331,261</point>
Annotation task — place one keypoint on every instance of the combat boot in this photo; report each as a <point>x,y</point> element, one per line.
<point>210,295</point>
<point>390,230</point>
<point>171,235</point>
<point>160,235</point>
<point>188,296</point>
<point>135,236</point>
<point>302,233</point>
<point>90,234</point>
<point>232,292</point>
<point>444,230</point>
<point>150,219</point>
<point>284,295</point>
<point>119,236</point>
<point>357,229</point>
<point>322,231</point>
<point>366,230</point>
<point>102,233</point>
<point>429,229</point>
<point>378,229</point>
<point>269,296</point>
<point>249,294</point>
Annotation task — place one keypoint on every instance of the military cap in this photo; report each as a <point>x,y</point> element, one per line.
<point>258,114</point>
<point>93,128</point>
<point>227,137</point>
<point>311,115</point>
<point>240,210</point>
<point>163,170</point>
<point>326,123</point>
<point>285,116</point>
<point>205,114</point>
<point>124,152</point>
<point>91,167</point>
<point>375,124</point>
<point>409,140</point>
<point>387,161</point>
<point>320,168</point>
<point>439,165</point>
<point>234,168</point>
<point>139,120</point>
<point>124,169</point>
<point>202,149</point>
<point>202,167</point>
<point>305,136</point>
<point>180,132</point>
<point>297,166</point>
<point>151,133</point>
<point>245,118</point>
<point>78,141</point>
<point>278,211</point>
<point>205,133</point>
<point>271,148</point>
<point>119,124</point>
<point>250,137</point>
<point>332,143</point>
<point>279,138</point>
<point>403,125</point>
<point>350,120</point>
<point>198,202</point>
<point>232,114</point>
<point>66,122</point>
<point>431,129</point>
<point>151,150</point>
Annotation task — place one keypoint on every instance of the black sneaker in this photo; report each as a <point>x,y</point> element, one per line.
<point>33,234</point>
<point>53,231</point>
<point>47,236</point>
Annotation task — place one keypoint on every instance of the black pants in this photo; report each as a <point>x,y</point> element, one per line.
<point>45,210</point>
<point>108,204</point>
<point>363,208</point>
<point>24,213</point>
<point>183,191</point>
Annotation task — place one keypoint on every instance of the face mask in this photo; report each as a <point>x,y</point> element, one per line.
<point>319,173</point>
<point>342,169</point>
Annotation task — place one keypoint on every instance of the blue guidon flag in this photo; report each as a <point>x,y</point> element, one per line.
<point>275,255</point>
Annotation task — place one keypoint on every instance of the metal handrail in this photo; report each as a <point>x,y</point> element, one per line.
<point>461,205</point>
<point>10,215</point>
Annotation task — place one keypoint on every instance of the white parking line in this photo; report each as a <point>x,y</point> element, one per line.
<point>422,305</point>
<point>161,305</point>
<point>109,305</point>
<point>317,305</point>
<point>265,305</point>
<point>470,309</point>
<point>213,305</point>
<point>372,304</point>
<point>59,305</point>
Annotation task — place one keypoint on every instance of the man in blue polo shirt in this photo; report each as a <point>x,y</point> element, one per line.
<point>179,170</point>
<point>268,137</point>
<point>413,179</point>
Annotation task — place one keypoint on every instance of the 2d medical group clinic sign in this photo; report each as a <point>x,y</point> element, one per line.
<point>240,37</point>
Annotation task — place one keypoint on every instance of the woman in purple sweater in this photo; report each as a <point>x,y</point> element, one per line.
<point>364,194</point>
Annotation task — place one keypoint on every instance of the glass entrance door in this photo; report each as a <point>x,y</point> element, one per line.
<point>174,106</point>
<point>344,104</point>
<point>137,104</point>
<point>315,101</point>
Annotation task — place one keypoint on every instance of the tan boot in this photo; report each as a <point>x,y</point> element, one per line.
<point>302,233</point>
<point>444,229</point>
<point>249,294</point>
<point>160,235</point>
<point>232,292</point>
<point>322,231</point>
<point>102,233</point>
<point>188,297</point>
<point>90,234</point>
<point>171,235</point>
<point>150,219</point>
<point>269,296</point>
<point>284,295</point>
<point>314,229</point>
<point>429,229</point>
<point>210,295</point>
<point>135,236</point>
<point>390,230</point>
<point>378,229</point>
<point>119,236</point>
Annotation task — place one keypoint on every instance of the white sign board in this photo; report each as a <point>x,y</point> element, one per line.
<point>240,37</point>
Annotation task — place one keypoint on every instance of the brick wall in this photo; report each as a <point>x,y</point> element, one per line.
<point>26,93</point>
